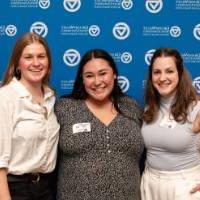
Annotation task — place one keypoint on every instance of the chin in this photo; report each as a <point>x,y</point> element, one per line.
<point>39,81</point>
<point>166,94</point>
<point>100,99</point>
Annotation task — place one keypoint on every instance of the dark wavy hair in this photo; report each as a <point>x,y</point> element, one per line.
<point>79,91</point>
<point>21,43</point>
<point>185,96</point>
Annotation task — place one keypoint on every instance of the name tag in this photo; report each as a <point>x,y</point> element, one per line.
<point>166,122</point>
<point>81,127</point>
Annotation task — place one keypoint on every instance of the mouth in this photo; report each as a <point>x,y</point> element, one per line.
<point>99,89</point>
<point>35,70</point>
<point>164,85</point>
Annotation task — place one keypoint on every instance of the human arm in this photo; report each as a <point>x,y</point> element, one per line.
<point>196,124</point>
<point>5,145</point>
<point>196,129</point>
<point>4,191</point>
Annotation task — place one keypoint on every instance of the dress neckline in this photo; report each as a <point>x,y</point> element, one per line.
<point>96,118</point>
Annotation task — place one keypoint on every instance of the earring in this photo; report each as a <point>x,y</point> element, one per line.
<point>18,72</point>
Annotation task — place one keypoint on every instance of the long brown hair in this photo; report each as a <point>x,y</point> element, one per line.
<point>185,95</point>
<point>22,42</point>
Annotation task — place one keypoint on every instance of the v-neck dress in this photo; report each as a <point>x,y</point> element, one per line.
<point>98,162</point>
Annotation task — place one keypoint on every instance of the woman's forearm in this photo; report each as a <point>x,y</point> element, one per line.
<point>4,190</point>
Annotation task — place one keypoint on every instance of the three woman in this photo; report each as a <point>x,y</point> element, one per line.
<point>28,128</point>
<point>171,131</point>
<point>100,139</point>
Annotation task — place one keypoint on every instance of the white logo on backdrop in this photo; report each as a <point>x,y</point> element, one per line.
<point>196,84</point>
<point>71,57</point>
<point>123,83</point>
<point>154,6</point>
<point>148,56</point>
<point>127,4</point>
<point>11,30</point>
<point>72,5</point>
<point>175,31</point>
<point>126,57</point>
<point>94,30</point>
<point>196,31</point>
<point>121,31</point>
<point>66,84</point>
<point>44,4</point>
<point>39,28</point>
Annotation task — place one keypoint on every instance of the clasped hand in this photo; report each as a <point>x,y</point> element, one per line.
<point>196,189</point>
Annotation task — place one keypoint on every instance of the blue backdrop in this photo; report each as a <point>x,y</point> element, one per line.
<point>129,30</point>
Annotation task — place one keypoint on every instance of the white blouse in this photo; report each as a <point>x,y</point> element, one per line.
<point>28,131</point>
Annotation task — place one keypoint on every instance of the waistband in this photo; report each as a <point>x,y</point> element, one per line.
<point>193,171</point>
<point>29,177</point>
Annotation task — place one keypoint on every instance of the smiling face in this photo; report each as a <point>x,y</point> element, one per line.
<point>98,79</point>
<point>165,76</point>
<point>33,64</point>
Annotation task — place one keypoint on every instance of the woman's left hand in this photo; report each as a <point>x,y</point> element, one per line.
<point>195,189</point>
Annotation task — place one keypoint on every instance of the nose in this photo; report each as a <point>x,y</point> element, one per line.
<point>162,77</point>
<point>35,61</point>
<point>97,80</point>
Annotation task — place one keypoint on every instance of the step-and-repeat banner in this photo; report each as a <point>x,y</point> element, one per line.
<point>129,30</point>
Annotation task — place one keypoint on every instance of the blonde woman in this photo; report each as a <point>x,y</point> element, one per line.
<point>28,128</point>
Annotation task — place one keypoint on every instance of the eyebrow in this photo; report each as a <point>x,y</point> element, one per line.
<point>102,70</point>
<point>170,67</point>
<point>29,54</point>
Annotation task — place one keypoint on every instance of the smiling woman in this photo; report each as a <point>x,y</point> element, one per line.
<point>28,128</point>
<point>165,76</point>
<point>170,131</point>
<point>100,139</point>
<point>98,79</point>
<point>33,64</point>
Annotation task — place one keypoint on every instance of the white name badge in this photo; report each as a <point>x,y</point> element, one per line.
<point>166,122</point>
<point>81,127</point>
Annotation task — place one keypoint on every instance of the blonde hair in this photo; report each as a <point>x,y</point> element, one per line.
<point>22,42</point>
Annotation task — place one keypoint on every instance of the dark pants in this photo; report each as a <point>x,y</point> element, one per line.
<point>24,188</point>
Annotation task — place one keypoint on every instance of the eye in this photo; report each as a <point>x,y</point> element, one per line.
<point>156,72</point>
<point>102,73</point>
<point>42,55</point>
<point>87,75</point>
<point>170,71</point>
<point>28,57</point>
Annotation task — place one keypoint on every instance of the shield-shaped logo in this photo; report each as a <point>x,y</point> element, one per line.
<point>154,6</point>
<point>121,31</point>
<point>71,57</point>
<point>11,30</point>
<point>72,5</point>
<point>123,83</point>
<point>39,28</point>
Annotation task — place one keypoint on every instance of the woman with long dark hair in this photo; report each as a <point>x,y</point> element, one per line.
<point>100,140</point>
<point>171,131</point>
